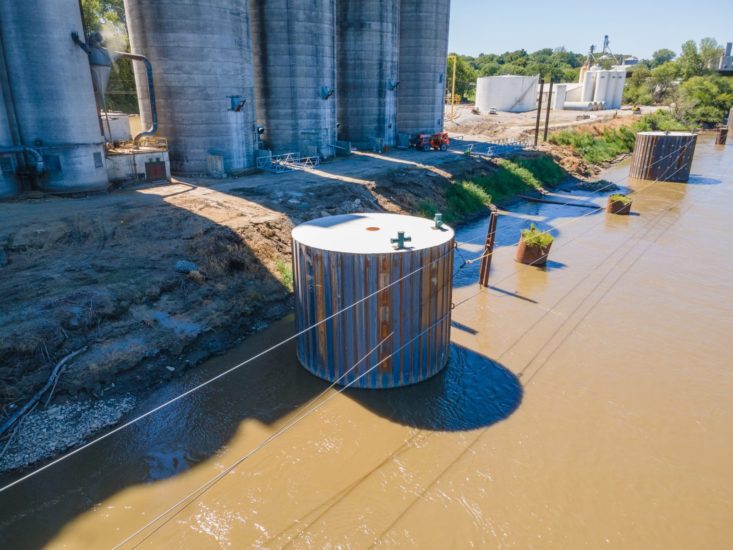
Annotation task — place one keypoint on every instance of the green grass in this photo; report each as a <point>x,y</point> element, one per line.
<point>510,177</point>
<point>614,141</point>
<point>533,237</point>
<point>462,200</point>
<point>286,274</point>
<point>618,197</point>
<point>543,168</point>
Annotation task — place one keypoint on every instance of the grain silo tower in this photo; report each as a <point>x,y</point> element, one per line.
<point>8,184</point>
<point>396,271</point>
<point>368,56</point>
<point>202,64</point>
<point>294,47</point>
<point>423,52</point>
<point>51,95</point>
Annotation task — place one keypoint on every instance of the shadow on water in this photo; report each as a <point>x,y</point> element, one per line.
<point>471,392</point>
<point>698,179</point>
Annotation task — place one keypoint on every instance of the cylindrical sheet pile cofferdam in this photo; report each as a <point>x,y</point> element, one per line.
<point>663,156</point>
<point>398,331</point>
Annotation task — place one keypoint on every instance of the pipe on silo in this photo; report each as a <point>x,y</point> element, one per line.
<point>151,94</point>
<point>423,62</point>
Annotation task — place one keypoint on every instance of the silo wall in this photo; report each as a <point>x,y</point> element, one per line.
<point>368,56</point>
<point>203,74</point>
<point>294,46</point>
<point>423,64</point>
<point>52,94</point>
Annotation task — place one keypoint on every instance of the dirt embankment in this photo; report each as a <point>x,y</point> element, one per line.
<point>571,161</point>
<point>155,281</point>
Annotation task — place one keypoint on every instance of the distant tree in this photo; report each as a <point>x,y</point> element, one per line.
<point>705,99</point>
<point>108,18</point>
<point>689,62</point>
<point>710,52</point>
<point>661,82</point>
<point>660,57</point>
<point>465,76</point>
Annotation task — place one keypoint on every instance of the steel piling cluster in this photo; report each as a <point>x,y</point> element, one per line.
<point>663,156</point>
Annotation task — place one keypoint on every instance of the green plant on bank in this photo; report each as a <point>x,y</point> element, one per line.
<point>534,238</point>
<point>285,272</point>
<point>464,199</point>
<point>618,197</point>
<point>510,177</point>
<point>543,168</point>
<point>614,141</point>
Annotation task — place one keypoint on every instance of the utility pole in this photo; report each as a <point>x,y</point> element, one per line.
<point>453,88</point>
<point>549,104</point>
<point>488,247</point>
<point>539,113</point>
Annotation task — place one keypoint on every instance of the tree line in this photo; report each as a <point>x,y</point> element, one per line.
<point>687,82</point>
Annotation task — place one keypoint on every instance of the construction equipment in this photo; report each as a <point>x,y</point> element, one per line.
<point>427,142</point>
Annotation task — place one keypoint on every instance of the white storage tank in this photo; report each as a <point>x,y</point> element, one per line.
<point>398,332</point>
<point>509,93</point>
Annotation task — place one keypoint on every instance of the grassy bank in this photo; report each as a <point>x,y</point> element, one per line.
<point>508,178</point>
<point>613,142</point>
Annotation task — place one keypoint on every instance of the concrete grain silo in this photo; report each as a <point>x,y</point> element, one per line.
<point>294,47</point>
<point>368,56</point>
<point>202,65</point>
<point>51,93</point>
<point>423,52</point>
<point>8,184</point>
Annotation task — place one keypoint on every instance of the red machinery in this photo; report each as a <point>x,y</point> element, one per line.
<point>428,142</point>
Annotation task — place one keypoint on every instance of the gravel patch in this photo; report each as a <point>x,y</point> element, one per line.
<point>45,433</point>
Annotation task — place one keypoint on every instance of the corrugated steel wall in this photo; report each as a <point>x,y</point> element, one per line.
<point>416,310</point>
<point>663,157</point>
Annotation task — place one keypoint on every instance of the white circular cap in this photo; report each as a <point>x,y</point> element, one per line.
<point>370,233</point>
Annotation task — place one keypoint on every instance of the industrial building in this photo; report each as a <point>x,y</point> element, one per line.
<point>221,85</point>
<point>726,60</point>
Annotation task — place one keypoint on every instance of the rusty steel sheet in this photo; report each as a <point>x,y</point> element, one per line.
<point>398,335</point>
<point>663,156</point>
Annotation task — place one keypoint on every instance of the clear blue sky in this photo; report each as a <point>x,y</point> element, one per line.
<point>637,27</point>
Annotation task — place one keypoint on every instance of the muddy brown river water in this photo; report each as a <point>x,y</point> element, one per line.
<point>586,405</point>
